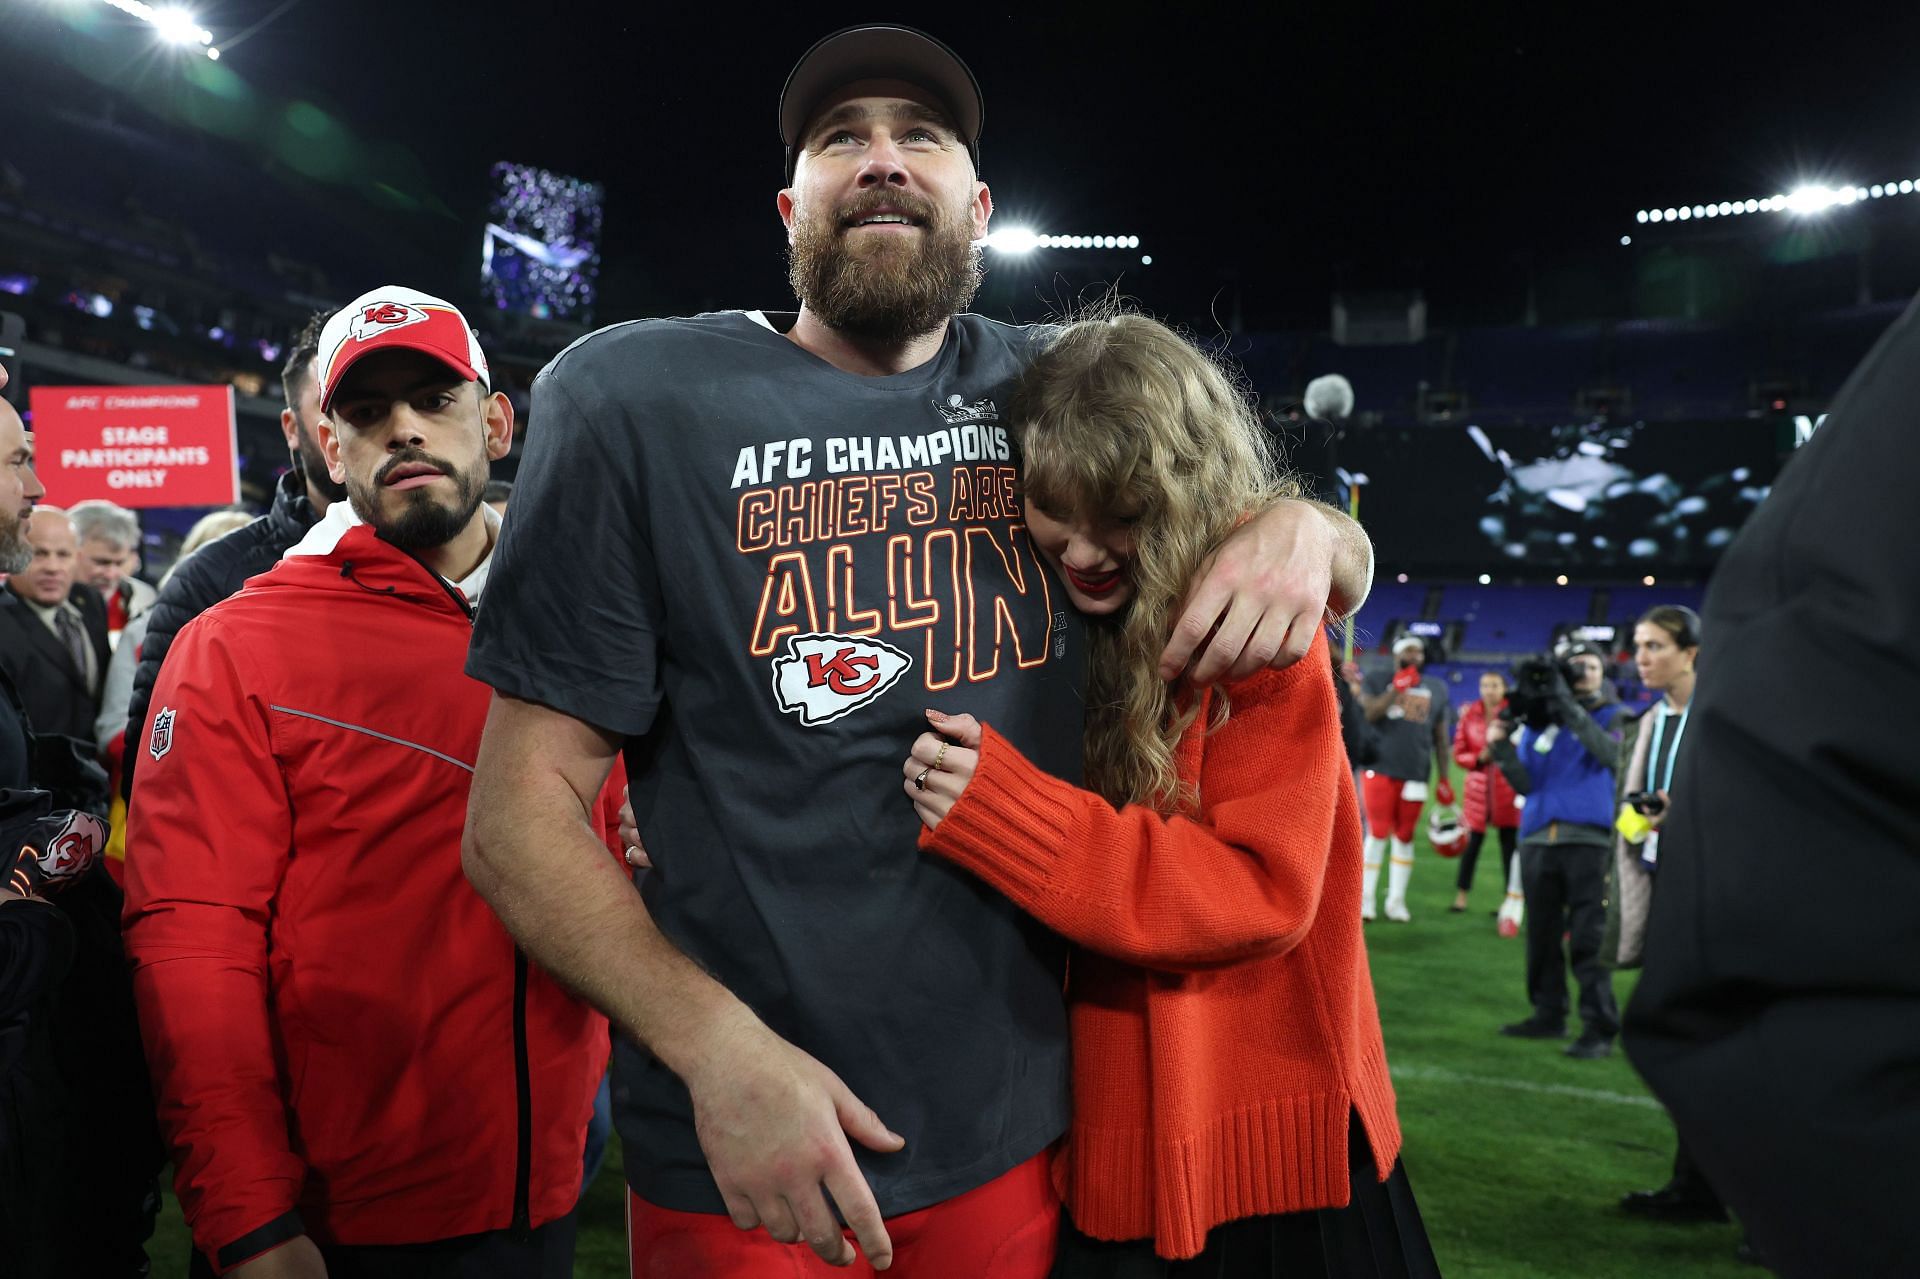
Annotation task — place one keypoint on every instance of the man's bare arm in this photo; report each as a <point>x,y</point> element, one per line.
<point>772,1121</point>
<point>1375,704</point>
<point>1261,596</point>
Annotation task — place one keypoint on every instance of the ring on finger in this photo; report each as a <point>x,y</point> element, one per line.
<point>920,779</point>
<point>940,754</point>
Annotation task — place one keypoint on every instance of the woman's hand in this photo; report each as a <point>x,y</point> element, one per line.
<point>941,764</point>
<point>1497,731</point>
<point>1654,820</point>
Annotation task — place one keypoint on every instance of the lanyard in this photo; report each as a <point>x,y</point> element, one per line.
<point>1653,750</point>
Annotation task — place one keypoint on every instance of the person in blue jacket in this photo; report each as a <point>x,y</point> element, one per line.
<point>1562,760</point>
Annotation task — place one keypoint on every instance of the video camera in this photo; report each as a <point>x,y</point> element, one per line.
<point>1534,678</point>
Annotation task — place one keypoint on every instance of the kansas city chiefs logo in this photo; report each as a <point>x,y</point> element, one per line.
<point>74,845</point>
<point>381,316</point>
<point>823,677</point>
<point>160,740</point>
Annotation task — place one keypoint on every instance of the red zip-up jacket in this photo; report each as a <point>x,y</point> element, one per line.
<point>344,1039</point>
<point>1487,799</point>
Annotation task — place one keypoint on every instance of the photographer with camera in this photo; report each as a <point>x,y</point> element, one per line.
<point>1561,756</point>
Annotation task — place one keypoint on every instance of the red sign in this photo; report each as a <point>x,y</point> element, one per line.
<point>136,445</point>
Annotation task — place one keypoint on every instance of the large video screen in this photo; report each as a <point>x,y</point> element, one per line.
<point>1535,501</point>
<point>541,255</point>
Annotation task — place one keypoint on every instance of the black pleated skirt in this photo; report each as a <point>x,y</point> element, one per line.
<point>1378,1235</point>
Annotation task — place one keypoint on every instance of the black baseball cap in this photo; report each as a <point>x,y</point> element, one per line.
<point>880,51</point>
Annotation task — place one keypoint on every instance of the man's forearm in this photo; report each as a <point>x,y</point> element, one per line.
<point>1352,563</point>
<point>531,852</point>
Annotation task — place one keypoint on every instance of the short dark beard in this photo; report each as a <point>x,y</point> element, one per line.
<point>16,552</point>
<point>423,523</point>
<point>892,293</point>
<point>311,465</point>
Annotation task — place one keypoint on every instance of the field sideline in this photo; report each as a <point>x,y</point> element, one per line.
<point>1516,1153</point>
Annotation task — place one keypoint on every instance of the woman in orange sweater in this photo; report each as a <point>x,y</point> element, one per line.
<point>1232,1111</point>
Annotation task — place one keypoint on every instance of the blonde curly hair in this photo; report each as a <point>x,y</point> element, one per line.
<point>1121,416</point>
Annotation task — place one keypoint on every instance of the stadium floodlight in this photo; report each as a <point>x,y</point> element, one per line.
<point>1017,239</point>
<point>1486,579</point>
<point>1026,240</point>
<point>1625,240</point>
<point>1811,199</point>
<point>1146,259</point>
<point>174,25</point>
<point>1806,200</point>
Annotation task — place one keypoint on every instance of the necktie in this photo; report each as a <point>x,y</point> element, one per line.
<point>76,641</point>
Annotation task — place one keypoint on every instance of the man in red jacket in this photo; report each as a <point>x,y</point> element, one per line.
<point>358,1072</point>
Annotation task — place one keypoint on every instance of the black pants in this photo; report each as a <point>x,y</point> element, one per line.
<point>546,1253</point>
<point>1689,1178</point>
<point>1509,838</point>
<point>1566,886</point>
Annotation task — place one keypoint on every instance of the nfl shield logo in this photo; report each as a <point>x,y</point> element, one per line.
<point>161,741</point>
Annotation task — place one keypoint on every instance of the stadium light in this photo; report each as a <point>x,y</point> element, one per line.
<point>173,25</point>
<point>1017,239</point>
<point>1807,200</point>
<point>1486,579</point>
<point>1026,240</point>
<point>1560,580</point>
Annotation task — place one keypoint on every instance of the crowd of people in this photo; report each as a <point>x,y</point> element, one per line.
<point>962,694</point>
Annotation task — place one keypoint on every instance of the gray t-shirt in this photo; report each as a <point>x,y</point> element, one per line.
<point>1407,729</point>
<point>760,569</point>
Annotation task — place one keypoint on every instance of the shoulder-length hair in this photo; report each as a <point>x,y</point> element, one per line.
<point>1122,416</point>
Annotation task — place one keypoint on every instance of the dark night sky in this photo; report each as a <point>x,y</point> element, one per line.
<point>1262,161</point>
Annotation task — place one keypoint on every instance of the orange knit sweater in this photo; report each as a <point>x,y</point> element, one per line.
<point>1221,1007</point>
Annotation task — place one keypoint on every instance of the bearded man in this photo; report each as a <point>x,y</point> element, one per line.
<point>804,528</point>
<point>358,1072</point>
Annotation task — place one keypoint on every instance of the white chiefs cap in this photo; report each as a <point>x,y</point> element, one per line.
<point>392,317</point>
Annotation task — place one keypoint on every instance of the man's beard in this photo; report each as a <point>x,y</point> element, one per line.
<point>422,523</point>
<point>312,466</point>
<point>15,551</point>
<point>886,292</point>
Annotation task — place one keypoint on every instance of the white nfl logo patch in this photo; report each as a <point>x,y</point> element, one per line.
<point>160,741</point>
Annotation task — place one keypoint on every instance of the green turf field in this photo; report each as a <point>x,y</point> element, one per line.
<point>1517,1153</point>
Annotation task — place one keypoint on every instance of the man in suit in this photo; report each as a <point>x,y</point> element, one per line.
<point>20,488</point>
<point>53,632</point>
<point>1779,1015</point>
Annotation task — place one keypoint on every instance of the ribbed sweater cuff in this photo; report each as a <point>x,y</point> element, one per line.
<point>1012,824</point>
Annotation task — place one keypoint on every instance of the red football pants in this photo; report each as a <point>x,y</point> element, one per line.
<point>1005,1229</point>
<point>1387,813</point>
